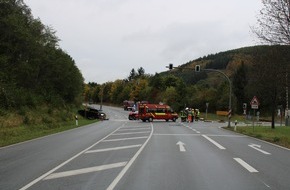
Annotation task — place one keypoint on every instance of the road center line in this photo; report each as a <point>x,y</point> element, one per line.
<point>214,142</point>
<point>85,170</point>
<point>115,148</point>
<point>246,165</point>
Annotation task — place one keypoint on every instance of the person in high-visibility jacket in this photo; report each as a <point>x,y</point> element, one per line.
<point>189,117</point>
<point>197,114</point>
<point>193,115</point>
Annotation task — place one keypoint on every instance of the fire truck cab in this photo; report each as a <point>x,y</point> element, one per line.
<point>150,112</point>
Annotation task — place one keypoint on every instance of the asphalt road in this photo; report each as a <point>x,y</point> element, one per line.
<point>123,154</point>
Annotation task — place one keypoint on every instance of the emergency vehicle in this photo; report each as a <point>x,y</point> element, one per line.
<point>151,112</point>
<point>128,105</point>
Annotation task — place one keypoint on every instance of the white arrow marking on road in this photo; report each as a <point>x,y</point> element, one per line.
<point>181,146</point>
<point>257,147</point>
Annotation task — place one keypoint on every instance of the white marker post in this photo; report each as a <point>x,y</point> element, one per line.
<point>236,122</point>
<point>77,122</point>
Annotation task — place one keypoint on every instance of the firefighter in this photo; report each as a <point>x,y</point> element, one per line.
<point>193,115</point>
<point>183,116</point>
<point>198,114</point>
<point>189,116</point>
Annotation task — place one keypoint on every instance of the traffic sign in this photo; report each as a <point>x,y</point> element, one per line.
<point>255,103</point>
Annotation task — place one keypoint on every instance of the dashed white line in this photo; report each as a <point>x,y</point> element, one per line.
<point>85,170</point>
<point>245,165</point>
<point>115,148</point>
<point>213,142</point>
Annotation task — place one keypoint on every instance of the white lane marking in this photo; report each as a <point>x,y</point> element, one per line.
<point>134,129</point>
<point>181,146</point>
<point>123,139</point>
<point>160,134</point>
<point>195,130</point>
<point>64,163</point>
<point>246,165</point>
<point>257,147</point>
<point>126,168</point>
<point>131,133</point>
<point>212,135</point>
<point>85,170</point>
<point>115,148</point>
<point>215,143</point>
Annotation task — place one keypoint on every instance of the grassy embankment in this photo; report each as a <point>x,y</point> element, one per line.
<point>26,124</point>
<point>280,135</point>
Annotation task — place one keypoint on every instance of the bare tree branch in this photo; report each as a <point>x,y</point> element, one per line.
<point>273,22</point>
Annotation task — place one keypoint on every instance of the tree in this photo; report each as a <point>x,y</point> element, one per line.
<point>141,71</point>
<point>132,75</point>
<point>240,82</point>
<point>274,22</point>
<point>267,78</point>
<point>34,69</point>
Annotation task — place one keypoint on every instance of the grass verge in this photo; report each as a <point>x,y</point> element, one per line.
<point>278,135</point>
<point>13,135</point>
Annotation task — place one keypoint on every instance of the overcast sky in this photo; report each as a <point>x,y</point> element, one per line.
<point>107,38</point>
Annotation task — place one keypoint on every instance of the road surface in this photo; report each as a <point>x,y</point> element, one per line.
<point>122,154</point>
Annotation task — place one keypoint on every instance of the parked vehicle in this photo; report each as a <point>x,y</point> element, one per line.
<point>133,115</point>
<point>128,105</point>
<point>150,112</point>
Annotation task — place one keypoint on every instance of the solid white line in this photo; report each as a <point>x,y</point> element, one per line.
<point>246,165</point>
<point>115,148</point>
<point>126,168</point>
<point>215,143</point>
<point>64,163</point>
<point>131,133</point>
<point>85,170</point>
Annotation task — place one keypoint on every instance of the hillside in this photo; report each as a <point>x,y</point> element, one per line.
<point>227,61</point>
<point>39,82</point>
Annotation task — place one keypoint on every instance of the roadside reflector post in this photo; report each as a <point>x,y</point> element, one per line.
<point>236,122</point>
<point>77,122</point>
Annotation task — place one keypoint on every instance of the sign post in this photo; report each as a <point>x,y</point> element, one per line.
<point>254,105</point>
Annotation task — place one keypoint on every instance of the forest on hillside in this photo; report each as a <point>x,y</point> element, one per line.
<point>34,69</point>
<point>253,71</point>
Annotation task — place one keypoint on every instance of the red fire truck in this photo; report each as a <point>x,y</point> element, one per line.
<point>156,111</point>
